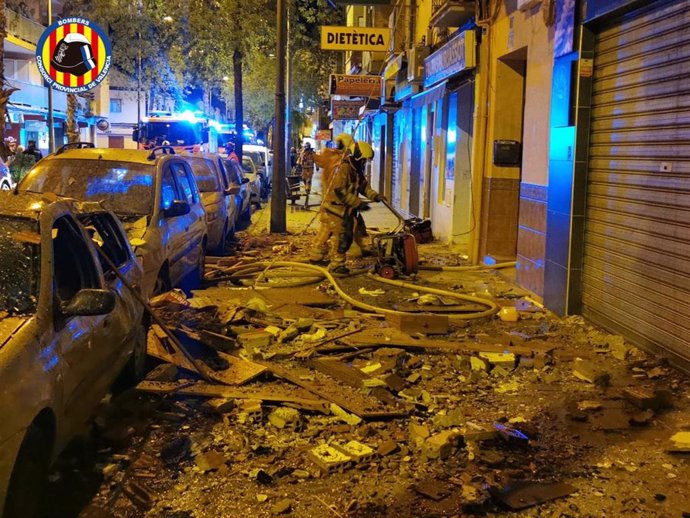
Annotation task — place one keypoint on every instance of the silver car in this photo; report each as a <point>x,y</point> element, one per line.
<point>68,328</point>
<point>219,193</point>
<point>154,194</point>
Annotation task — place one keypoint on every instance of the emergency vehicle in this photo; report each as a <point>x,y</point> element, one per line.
<point>184,131</point>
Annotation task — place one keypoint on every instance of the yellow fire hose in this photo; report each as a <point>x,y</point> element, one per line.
<point>492,307</point>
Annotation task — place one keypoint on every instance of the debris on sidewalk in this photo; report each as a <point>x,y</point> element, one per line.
<point>299,401</point>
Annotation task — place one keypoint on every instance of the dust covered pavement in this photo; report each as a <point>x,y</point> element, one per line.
<point>303,406</point>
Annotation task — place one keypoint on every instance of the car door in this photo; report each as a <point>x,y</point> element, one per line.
<point>172,229</point>
<point>107,235</point>
<point>84,342</point>
<point>194,222</point>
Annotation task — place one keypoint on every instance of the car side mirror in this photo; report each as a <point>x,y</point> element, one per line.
<point>178,208</point>
<point>245,180</point>
<point>233,189</point>
<point>89,302</point>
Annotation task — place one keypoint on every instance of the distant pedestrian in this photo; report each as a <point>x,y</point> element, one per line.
<point>31,149</point>
<point>306,163</point>
<point>293,158</point>
<point>230,150</point>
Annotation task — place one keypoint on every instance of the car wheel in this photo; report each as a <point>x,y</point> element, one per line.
<point>220,249</point>
<point>201,264</point>
<point>29,474</point>
<point>162,282</point>
<point>5,186</point>
<point>246,216</point>
<point>135,370</point>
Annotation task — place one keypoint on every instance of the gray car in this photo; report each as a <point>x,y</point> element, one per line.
<point>153,192</point>
<point>68,328</point>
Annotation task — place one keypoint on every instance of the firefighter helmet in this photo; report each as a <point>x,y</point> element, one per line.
<point>343,141</point>
<point>73,55</point>
<point>362,149</point>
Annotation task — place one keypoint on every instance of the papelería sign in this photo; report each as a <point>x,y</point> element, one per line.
<point>355,38</point>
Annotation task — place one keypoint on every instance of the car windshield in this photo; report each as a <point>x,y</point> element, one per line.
<point>126,188</point>
<point>19,265</point>
<point>205,177</point>
<point>248,166</point>
<point>256,157</point>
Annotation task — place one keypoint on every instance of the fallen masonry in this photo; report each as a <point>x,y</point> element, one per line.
<point>297,404</point>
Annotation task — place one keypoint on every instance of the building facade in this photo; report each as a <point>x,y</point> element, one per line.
<point>552,133</point>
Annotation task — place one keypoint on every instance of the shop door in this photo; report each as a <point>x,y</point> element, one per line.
<point>636,273</point>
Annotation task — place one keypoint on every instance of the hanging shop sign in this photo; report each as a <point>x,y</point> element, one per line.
<point>355,38</point>
<point>345,110</point>
<point>356,85</point>
<point>73,55</point>
<point>454,57</point>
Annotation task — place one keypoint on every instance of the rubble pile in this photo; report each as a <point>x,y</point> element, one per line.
<point>302,406</point>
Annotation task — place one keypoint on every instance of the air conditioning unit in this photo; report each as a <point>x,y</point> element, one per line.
<point>415,63</point>
<point>524,5</point>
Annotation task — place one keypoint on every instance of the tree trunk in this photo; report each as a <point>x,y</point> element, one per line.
<point>239,108</point>
<point>72,124</point>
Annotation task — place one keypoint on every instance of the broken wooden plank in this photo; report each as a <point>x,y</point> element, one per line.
<point>393,338</point>
<point>160,349</point>
<point>239,372</point>
<point>426,323</point>
<point>305,296</point>
<point>202,389</point>
<point>336,335</point>
<point>365,407</point>
<point>217,341</point>
<point>340,371</point>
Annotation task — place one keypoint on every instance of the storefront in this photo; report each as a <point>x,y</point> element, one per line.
<point>625,196</point>
<point>443,125</point>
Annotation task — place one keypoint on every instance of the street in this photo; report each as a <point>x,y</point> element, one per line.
<point>573,412</point>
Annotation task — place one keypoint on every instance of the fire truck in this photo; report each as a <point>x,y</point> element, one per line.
<point>184,131</point>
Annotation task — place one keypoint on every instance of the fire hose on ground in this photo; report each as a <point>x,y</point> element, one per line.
<point>321,273</point>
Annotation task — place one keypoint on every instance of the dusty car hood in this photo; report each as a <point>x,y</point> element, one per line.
<point>9,326</point>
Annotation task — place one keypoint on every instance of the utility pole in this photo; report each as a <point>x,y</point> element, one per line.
<point>278,195</point>
<point>51,118</point>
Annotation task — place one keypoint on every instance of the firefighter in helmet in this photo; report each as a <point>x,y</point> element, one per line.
<point>342,206</point>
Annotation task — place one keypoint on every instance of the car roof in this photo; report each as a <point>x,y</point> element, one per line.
<point>139,156</point>
<point>254,147</point>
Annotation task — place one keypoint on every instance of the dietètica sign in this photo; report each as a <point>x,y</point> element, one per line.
<point>355,85</point>
<point>355,38</point>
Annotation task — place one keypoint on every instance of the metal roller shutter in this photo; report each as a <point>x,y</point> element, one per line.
<point>636,275</point>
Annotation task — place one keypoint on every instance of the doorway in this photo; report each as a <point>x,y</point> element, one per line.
<point>501,186</point>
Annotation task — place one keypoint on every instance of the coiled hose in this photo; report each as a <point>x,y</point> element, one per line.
<point>322,273</point>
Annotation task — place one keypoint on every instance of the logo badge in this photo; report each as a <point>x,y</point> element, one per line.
<point>74,55</point>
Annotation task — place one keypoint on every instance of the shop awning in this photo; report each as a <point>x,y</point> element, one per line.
<point>429,96</point>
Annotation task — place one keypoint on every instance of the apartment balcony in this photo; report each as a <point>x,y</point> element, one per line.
<point>450,13</point>
<point>32,97</point>
<point>22,28</point>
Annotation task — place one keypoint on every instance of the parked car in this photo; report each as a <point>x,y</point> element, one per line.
<point>219,194</point>
<point>263,159</point>
<point>6,183</point>
<point>244,198</point>
<point>154,194</point>
<point>68,329</point>
<point>256,182</point>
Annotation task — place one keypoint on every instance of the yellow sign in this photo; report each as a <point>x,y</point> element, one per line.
<point>355,38</point>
